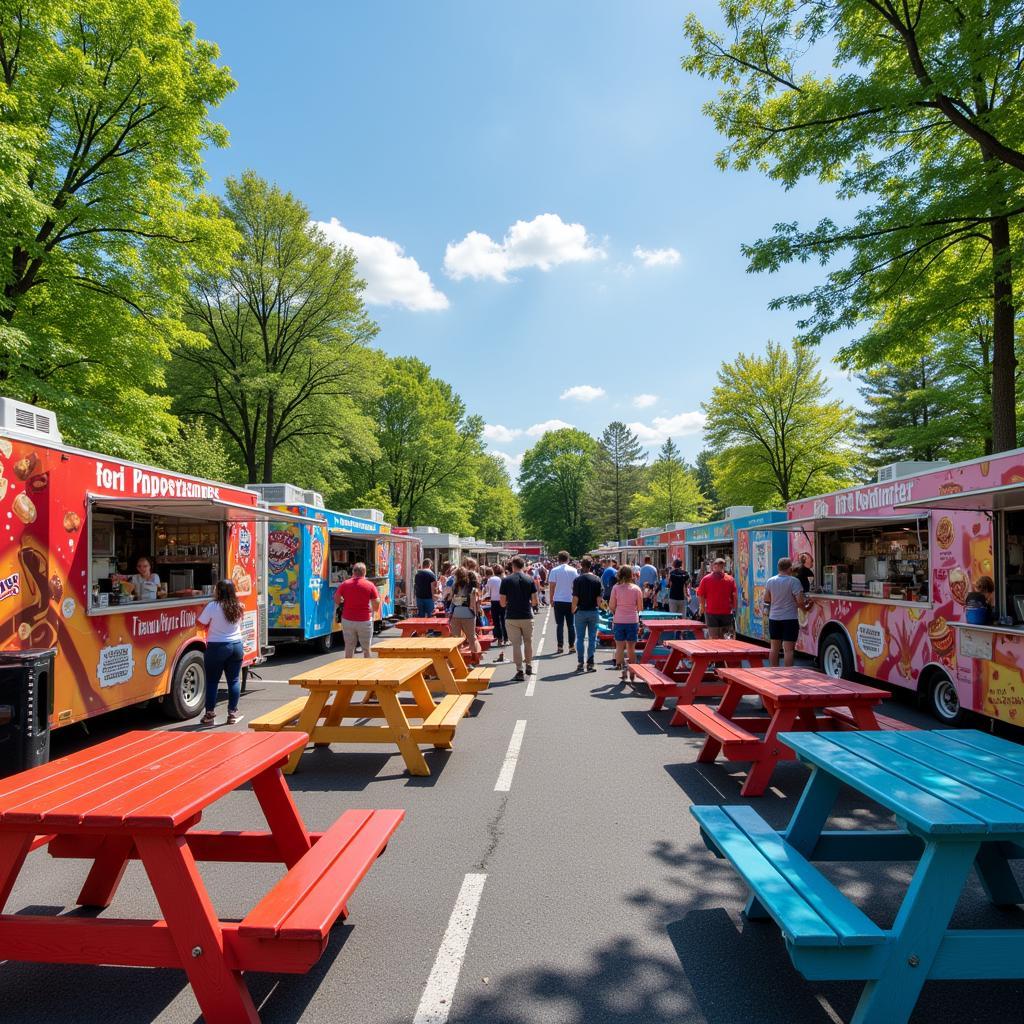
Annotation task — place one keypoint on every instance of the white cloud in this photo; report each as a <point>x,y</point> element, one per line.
<point>513,463</point>
<point>539,429</point>
<point>583,393</point>
<point>544,242</point>
<point>657,257</point>
<point>644,401</point>
<point>663,427</point>
<point>392,278</point>
<point>500,435</point>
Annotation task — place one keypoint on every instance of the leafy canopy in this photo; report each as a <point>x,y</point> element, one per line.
<point>670,492</point>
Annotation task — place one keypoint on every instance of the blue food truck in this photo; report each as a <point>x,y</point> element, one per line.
<point>750,556</point>
<point>307,561</point>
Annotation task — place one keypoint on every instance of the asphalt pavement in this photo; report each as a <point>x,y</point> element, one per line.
<point>547,871</point>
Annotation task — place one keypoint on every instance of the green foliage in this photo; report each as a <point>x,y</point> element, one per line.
<point>103,120</point>
<point>197,451</point>
<point>670,492</point>
<point>553,485</point>
<point>706,483</point>
<point>616,479</point>
<point>775,434</point>
<point>495,511</point>
<point>286,328</point>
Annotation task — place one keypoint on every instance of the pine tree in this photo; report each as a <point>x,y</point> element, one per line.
<point>616,479</point>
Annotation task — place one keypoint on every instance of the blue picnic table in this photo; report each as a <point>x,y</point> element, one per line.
<point>958,800</point>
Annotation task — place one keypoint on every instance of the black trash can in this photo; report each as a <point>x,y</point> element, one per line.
<point>26,703</point>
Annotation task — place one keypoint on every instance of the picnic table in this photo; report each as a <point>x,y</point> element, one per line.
<point>959,805</point>
<point>140,796</point>
<point>440,626</point>
<point>793,698</point>
<point>331,700</point>
<point>449,666</point>
<point>654,652</point>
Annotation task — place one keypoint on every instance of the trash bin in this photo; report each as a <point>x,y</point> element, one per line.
<point>26,703</point>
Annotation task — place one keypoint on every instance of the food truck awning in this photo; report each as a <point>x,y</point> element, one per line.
<point>1003,498</point>
<point>210,510</point>
<point>826,524</point>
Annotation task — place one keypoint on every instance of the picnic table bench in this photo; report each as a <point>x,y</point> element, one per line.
<point>958,801</point>
<point>449,666</point>
<point>440,626</point>
<point>331,700</point>
<point>140,796</point>
<point>792,697</point>
<point>653,651</point>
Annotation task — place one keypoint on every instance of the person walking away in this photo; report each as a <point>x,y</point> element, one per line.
<point>586,593</point>
<point>625,604</point>
<point>662,598</point>
<point>465,608</point>
<point>717,594</point>
<point>804,573</point>
<point>359,600</point>
<point>541,579</point>
<point>608,578</point>
<point>560,591</point>
<point>784,594</point>
<point>224,651</point>
<point>493,589</point>
<point>678,587</point>
<point>648,574</point>
<point>424,588</point>
<point>518,595</point>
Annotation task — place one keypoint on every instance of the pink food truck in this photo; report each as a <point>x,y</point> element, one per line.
<point>919,582</point>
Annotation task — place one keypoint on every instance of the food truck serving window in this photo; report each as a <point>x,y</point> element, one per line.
<point>883,559</point>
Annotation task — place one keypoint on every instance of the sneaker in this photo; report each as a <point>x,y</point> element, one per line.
<point>529,670</point>
<point>559,650</point>
<point>518,677</point>
<point>210,718</point>
<point>579,666</point>
<point>234,717</point>
<point>590,667</point>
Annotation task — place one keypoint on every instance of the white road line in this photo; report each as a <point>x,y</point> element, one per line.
<point>538,649</point>
<point>508,767</point>
<point>436,1003</point>
<point>531,685</point>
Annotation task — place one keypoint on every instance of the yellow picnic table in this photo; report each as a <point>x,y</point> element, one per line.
<point>331,700</point>
<point>449,666</point>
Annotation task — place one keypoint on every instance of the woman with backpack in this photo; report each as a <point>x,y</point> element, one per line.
<point>465,607</point>
<point>224,651</point>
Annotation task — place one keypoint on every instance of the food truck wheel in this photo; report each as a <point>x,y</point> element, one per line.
<point>945,701</point>
<point>836,658</point>
<point>188,688</point>
<point>324,643</point>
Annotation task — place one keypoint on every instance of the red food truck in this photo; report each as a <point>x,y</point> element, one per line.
<point>75,525</point>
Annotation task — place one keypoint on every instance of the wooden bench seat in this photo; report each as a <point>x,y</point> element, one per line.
<point>314,893</point>
<point>805,905</point>
<point>843,718</point>
<point>448,711</point>
<point>280,718</point>
<point>478,679</point>
<point>707,720</point>
<point>661,685</point>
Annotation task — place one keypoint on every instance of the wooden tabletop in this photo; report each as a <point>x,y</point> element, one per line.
<point>417,643</point>
<point>721,646</point>
<point>422,623</point>
<point>141,780</point>
<point>801,685</point>
<point>377,671</point>
<point>668,625</point>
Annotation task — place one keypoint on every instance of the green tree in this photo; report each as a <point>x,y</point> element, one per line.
<point>775,434</point>
<point>495,512</point>
<point>286,329</point>
<point>553,485</point>
<point>920,124</point>
<point>104,115</point>
<point>706,483</point>
<point>197,451</point>
<point>615,480</point>
<point>670,492</point>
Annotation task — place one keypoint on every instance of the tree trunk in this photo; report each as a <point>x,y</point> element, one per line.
<point>1004,359</point>
<point>269,443</point>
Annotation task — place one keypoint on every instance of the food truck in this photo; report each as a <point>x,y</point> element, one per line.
<point>310,551</point>
<point>440,548</point>
<point>408,555</point>
<point>75,524</point>
<point>897,565</point>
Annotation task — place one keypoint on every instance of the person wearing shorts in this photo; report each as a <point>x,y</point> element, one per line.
<point>625,603</point>
<point>783,595</point>
<point>717,595</point>
<point>359,602</point>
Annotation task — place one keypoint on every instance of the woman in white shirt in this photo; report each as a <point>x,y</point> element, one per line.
<point>497,612</point>
<point>224,650</point>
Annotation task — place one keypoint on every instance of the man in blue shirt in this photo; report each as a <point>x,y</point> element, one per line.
<point>648,574</point>
<point>608,578</point>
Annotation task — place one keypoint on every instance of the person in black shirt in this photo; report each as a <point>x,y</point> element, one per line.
<point>518,596</point>
<point>804,573</point>
<point>678,588</point>
<point>586,593</point>
<point>424,589</point>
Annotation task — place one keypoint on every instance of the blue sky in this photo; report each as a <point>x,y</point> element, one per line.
<point>531,191</point>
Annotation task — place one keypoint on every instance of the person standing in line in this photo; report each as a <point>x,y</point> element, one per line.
<point>804,573</point>
<point>493,588</point>
<point>224,650</point>
<point>678,587</point>
<point>608,579</point>
<point>424,588</point>
<point>625,604</point>
<point>586,593</point>
<point>518,594</point>
<point>717,594</point>
<point>648,574</point>
<point>359,600</point>
<point>540,577</point>
<point>465,607</point>
<point>560,592</point>
<point>783,595</point>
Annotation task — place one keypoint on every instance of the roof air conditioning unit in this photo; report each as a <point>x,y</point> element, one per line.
<point>23,420</point>
<point>898,470</point>
<point>279,494</point>
<point>735,511</point>
<point>425,530</point>
<point>651,531</point>
<point>373,514</point>
<point>669,527</point>
<point>313,498</point>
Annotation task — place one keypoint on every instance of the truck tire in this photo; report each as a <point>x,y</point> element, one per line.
<point>188,688</point>
<point>943,700</point>
<point>835,657</point>
<point>324,643</point>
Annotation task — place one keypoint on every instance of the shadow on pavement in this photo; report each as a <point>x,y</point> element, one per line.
<point>330,769</point>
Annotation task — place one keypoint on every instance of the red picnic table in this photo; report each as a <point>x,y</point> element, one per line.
<point>655,630</point>
<point>140,796</point>
<point>440,625</point>
<point>792,697</point>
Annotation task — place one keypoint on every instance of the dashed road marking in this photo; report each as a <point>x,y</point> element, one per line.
<point>532,684</point>
<point>508,767</point>
<point>436,1003</point>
